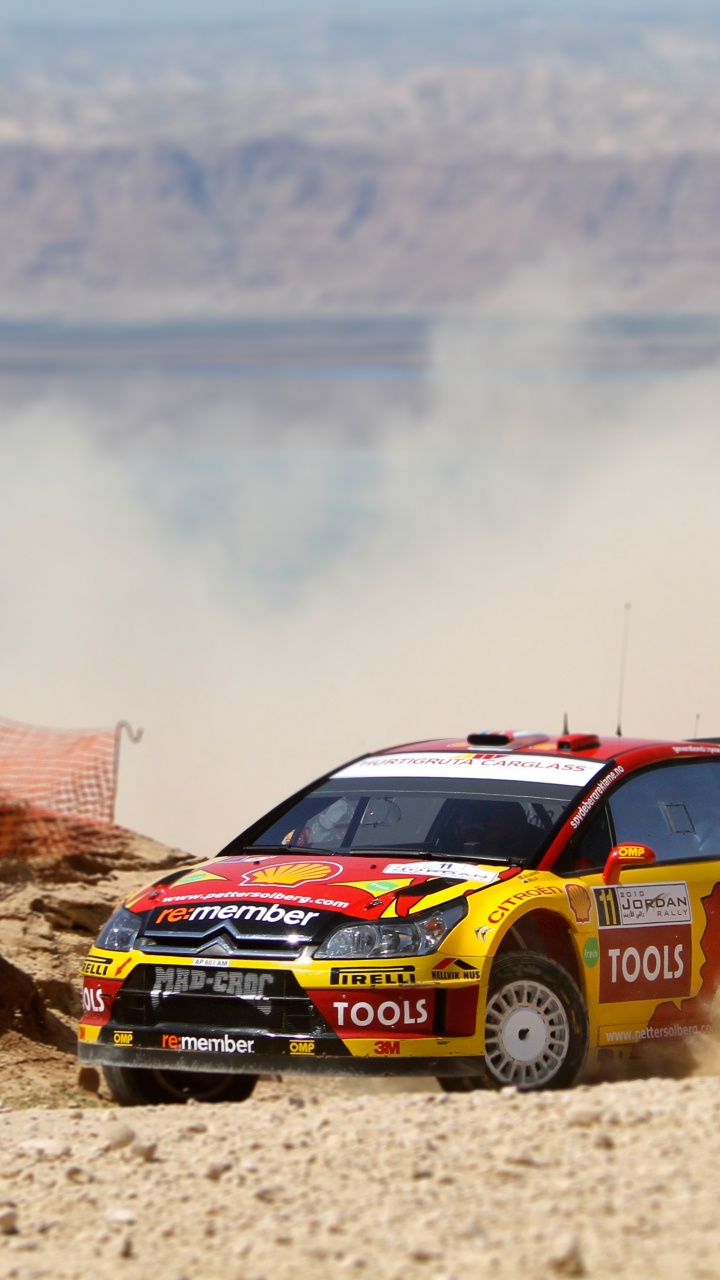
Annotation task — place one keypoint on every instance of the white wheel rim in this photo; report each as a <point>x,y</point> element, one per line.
<point>527,1034</point>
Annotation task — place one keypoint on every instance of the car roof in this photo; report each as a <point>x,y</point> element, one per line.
<point>589,746</point>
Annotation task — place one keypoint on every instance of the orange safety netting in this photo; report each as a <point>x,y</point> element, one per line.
<point>70,771</point>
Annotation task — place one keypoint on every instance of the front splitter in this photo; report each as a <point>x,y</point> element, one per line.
<point>276,1064</point>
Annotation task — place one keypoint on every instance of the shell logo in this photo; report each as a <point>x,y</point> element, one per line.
<point>292,873</point>
<point>580,902</point>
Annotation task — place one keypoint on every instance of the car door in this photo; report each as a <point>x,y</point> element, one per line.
<point>654,968</point>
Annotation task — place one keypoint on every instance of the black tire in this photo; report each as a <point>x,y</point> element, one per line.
<point>140,1087</point>
<point>460,1084</point>
<point>536,1024</point>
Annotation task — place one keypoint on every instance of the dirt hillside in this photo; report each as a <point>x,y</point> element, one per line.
<point>59,881</point>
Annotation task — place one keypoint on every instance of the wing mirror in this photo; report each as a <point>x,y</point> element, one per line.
<point>624,856</point>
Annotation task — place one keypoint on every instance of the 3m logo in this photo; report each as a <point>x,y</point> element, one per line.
<point>384,1048</point>
<point>122,1037</point>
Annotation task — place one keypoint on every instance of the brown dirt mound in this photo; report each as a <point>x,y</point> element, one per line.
<point>20,1001</point>
<point>60,879</point>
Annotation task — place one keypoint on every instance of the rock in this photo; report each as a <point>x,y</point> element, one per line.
<point>76,1173</point>
<point>21,1005</point>
<point>45,1149</point>
<point>605,1141</point>
<point>126,1247</point>
<point>8,1220</point>
<point>567,1259</point>
<point>89,1079</point>
<point>216,1170</point>
<point>120,1217</point>
<point>117,1135</point>
<point>144,1150</point>
<point>584,1117</point>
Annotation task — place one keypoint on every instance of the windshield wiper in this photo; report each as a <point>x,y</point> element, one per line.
<point>287,848</point>
<point>412,851</point>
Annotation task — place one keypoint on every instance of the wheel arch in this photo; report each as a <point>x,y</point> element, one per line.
<point>544,933</point>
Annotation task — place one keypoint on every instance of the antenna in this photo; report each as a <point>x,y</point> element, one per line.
<point>623,662</point>
<point>565,724</point>
<point>697,725</point>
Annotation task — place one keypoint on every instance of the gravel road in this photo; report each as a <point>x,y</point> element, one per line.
<point>312,1180</point>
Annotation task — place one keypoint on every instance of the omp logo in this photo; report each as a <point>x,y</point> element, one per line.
<point>384,1048</point>
<point>394,975</point>
<point>292,873</point>
<point>302,1046</point>
<point>122,1037</point>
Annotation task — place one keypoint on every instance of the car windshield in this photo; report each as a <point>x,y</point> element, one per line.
<point>488,821</point>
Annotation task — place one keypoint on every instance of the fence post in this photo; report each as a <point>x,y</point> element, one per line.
<point>135,737</point>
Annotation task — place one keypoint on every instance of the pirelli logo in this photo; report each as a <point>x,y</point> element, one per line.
<point>94,968</point>
<point>393,975</point>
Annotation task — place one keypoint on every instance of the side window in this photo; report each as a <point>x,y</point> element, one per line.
<point>588,850</point>
<point>675,809</point>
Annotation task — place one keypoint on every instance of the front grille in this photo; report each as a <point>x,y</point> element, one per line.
<point>253,948</point>
<point>221,941</point>
<point>263,1001</point>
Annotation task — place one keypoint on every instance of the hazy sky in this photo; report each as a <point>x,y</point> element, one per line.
<point>265,614</point>
<point>109,12</point>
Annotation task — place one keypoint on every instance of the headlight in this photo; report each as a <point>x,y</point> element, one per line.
<point>120,932</point>
<point>392,938</point>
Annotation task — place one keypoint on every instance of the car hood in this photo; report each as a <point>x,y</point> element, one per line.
<point>364,887</point>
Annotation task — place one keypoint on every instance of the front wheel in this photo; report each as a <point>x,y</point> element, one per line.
<point>536,1024</point>
<point>139,1086</point>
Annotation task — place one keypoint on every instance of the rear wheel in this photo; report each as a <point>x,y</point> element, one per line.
<point>536,1024</point>
<point>139,1086</point>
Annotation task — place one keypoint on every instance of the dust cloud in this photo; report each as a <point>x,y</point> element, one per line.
<point>269,600</point>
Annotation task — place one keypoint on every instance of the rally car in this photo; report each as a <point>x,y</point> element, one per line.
<point>502,909</point>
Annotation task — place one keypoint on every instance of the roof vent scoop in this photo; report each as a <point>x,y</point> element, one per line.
<point>578,741</point>
<point>489,739</point>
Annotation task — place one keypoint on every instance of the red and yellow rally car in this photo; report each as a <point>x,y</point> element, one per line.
<point>505,909</point>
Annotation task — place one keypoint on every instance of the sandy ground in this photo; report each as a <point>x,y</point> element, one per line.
<point>316,1177</point>
<point>614,1180</point>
